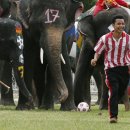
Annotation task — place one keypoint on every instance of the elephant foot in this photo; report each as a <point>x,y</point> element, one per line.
<point>63,94</point>
<point>24,107</point>
<point>27,106</point>
<point>68,106</point>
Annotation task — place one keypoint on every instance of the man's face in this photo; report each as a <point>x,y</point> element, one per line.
<point>119,25</point>
<point>109,3</point>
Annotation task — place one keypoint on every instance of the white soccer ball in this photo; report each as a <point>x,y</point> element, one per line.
<point>83,106</point>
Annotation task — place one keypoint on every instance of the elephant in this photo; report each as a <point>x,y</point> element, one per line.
<point>11,50</point>
<point>74,38</point>
<point>7,10</point>
<point>93,27</point>
<point>44,23</point>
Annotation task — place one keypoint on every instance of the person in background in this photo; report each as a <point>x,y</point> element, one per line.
<point>116,47</point>
<point>106,4</point>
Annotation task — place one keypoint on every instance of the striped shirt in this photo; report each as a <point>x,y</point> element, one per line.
<point>116,53</point>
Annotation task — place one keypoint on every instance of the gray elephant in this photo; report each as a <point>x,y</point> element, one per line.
<point>44,23</point>
<point>73,36</point>
<point>11,50</point>
<point>93,28</point>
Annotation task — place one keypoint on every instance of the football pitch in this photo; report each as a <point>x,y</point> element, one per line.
<point>10,119</point>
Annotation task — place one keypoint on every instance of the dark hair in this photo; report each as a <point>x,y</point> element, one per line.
<point>117,17</point>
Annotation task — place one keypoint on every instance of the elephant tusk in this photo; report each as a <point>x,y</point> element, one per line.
<point>41,55</point>
<point>62,59</point>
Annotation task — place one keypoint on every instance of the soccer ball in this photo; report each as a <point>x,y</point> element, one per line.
<point>83,106</point>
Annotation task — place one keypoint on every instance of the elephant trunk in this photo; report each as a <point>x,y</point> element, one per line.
<point>52,48</point>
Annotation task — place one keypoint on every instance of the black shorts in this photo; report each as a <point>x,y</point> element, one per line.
<point>118,77</point>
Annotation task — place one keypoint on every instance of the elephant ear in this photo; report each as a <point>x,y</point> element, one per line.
<point>85,24</point>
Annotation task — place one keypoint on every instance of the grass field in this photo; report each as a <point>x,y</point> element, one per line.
<point>10,119</point>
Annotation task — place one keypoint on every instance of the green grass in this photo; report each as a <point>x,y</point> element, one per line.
<point>10,119</point>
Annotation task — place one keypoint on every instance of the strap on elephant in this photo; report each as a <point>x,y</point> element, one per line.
<point>85,14</point>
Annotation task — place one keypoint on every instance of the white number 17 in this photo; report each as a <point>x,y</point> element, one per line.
<point>51,15</point>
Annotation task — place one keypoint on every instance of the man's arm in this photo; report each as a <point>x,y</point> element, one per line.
<point>95,59</point>
<point>123,3</point>
<point>100,46</point>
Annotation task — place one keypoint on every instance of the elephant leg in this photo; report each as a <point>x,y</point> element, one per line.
<point>29,62</point>
<point>87,91</point>
<point>50,92</point>
<point>67,75</point>
<point>39,78</point>
<point>79,82</point>
<point>34,94</point>
<point>17,65</point>
<point>7,98</point>
<point>18,70</point>
<point>98,79</point>
<point>52,47</point>
<point>82,76</point>
<point>69,103</point>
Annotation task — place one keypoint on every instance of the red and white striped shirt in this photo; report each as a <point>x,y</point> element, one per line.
<point>116,53</point>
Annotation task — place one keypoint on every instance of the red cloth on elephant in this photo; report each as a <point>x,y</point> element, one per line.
<point>101,4</point>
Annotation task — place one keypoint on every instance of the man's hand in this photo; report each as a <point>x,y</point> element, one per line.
<point>93,62</point>
<point>95,59</point>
